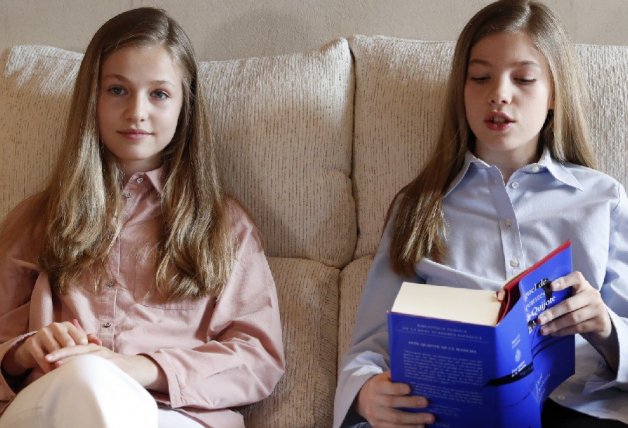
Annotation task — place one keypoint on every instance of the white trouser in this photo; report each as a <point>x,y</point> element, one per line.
<point>88,391</point>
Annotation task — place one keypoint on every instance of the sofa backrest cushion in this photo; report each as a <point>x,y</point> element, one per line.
<point>283,127</point>
<point>400,87</point>
<point>398,103</point>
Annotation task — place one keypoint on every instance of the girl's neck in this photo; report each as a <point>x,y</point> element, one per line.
<point>508,162</point>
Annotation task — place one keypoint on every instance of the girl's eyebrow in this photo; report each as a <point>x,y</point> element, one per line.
<point>124,79</point>
<point>477,61</point>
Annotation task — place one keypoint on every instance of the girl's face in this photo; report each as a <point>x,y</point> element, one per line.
<point>507,95</point>
<point>139,101</point>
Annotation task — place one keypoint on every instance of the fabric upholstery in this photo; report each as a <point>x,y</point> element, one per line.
<point>284,131</point>
<point>605,69</point>
<point>352,279</point>
<point>308,303</point>
<point>35,90</point>
<point>400,85</point>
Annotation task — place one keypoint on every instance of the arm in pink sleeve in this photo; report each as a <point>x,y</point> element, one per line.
<point>18,274</point>
<point>244,359</point>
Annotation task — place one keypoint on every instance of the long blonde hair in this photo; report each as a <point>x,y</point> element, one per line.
<point>83,197</point>
<point>418,228</point>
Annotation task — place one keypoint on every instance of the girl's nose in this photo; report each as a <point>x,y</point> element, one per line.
<point>136,109</point>
<point>500,93</point>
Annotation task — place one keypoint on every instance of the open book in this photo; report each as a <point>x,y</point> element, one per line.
<point>481,362</point>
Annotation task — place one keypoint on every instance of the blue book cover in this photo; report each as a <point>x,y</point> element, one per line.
<point>484,363</point>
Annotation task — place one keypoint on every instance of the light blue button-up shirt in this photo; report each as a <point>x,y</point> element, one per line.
<point>494,230</point>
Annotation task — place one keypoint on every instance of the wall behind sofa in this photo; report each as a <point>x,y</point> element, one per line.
<point>226,29</point>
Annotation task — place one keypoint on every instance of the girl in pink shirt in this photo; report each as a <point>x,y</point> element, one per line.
<point>135,293</point>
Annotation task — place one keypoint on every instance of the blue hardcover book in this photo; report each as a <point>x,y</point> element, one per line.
<point>481,362</point>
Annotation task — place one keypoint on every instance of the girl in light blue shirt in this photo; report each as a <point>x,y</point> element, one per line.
<point>510,179</point>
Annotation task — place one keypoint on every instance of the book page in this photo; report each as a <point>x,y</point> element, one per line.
<point>450,303</point>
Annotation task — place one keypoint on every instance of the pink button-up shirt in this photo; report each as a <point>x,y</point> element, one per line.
<point>216,353</point>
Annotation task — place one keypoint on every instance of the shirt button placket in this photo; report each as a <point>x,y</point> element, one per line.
<point>108,298</point>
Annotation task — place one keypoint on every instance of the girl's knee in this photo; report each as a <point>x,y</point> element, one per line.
<point>105,391</point>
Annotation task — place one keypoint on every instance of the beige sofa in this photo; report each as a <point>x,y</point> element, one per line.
<point>315,144</point>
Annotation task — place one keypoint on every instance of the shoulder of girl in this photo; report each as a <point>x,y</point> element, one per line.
<point>240,221</point>
<point>25,212</point>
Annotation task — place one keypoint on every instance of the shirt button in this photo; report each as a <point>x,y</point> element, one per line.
<point>514,185</point>
<point>514,263</point>
<point>107,324</point>
<point>535,168</point>
<point>110,284</point>
<point>139,180</point>
<point>126,195</point>
<point>508,223</point>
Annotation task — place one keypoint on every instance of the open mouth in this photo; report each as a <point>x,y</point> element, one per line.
<point>498,120</point>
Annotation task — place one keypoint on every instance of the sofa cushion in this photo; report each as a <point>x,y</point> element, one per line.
<point>308,301</point>
<point>398,104</point>
<point>605,69</point>
<point>284,130</point>
<point>400,86</point>
<point>283,127</point>
<point>352,279</point>
<point>35,88</point>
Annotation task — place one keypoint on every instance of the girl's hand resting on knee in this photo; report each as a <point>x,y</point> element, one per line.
<point>32,352</point>
<point>139,367</point>
<point>379,401</point>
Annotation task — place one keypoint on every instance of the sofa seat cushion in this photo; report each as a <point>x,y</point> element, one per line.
<point>352,279</point>
<point>308,302</point>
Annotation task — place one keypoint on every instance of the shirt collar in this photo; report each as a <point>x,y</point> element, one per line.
<point>154,176</point>
<point>557,169</point>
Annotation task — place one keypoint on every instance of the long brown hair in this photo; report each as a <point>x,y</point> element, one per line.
<point>83,197</point>
<point>419,226</point>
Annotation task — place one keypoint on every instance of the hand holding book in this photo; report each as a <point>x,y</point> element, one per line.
<point>585,313</point>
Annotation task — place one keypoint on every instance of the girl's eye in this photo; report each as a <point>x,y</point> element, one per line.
<point>479,79</point>
<point>160,95</point>
<point>526,81</point>
<point>116,90</point>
